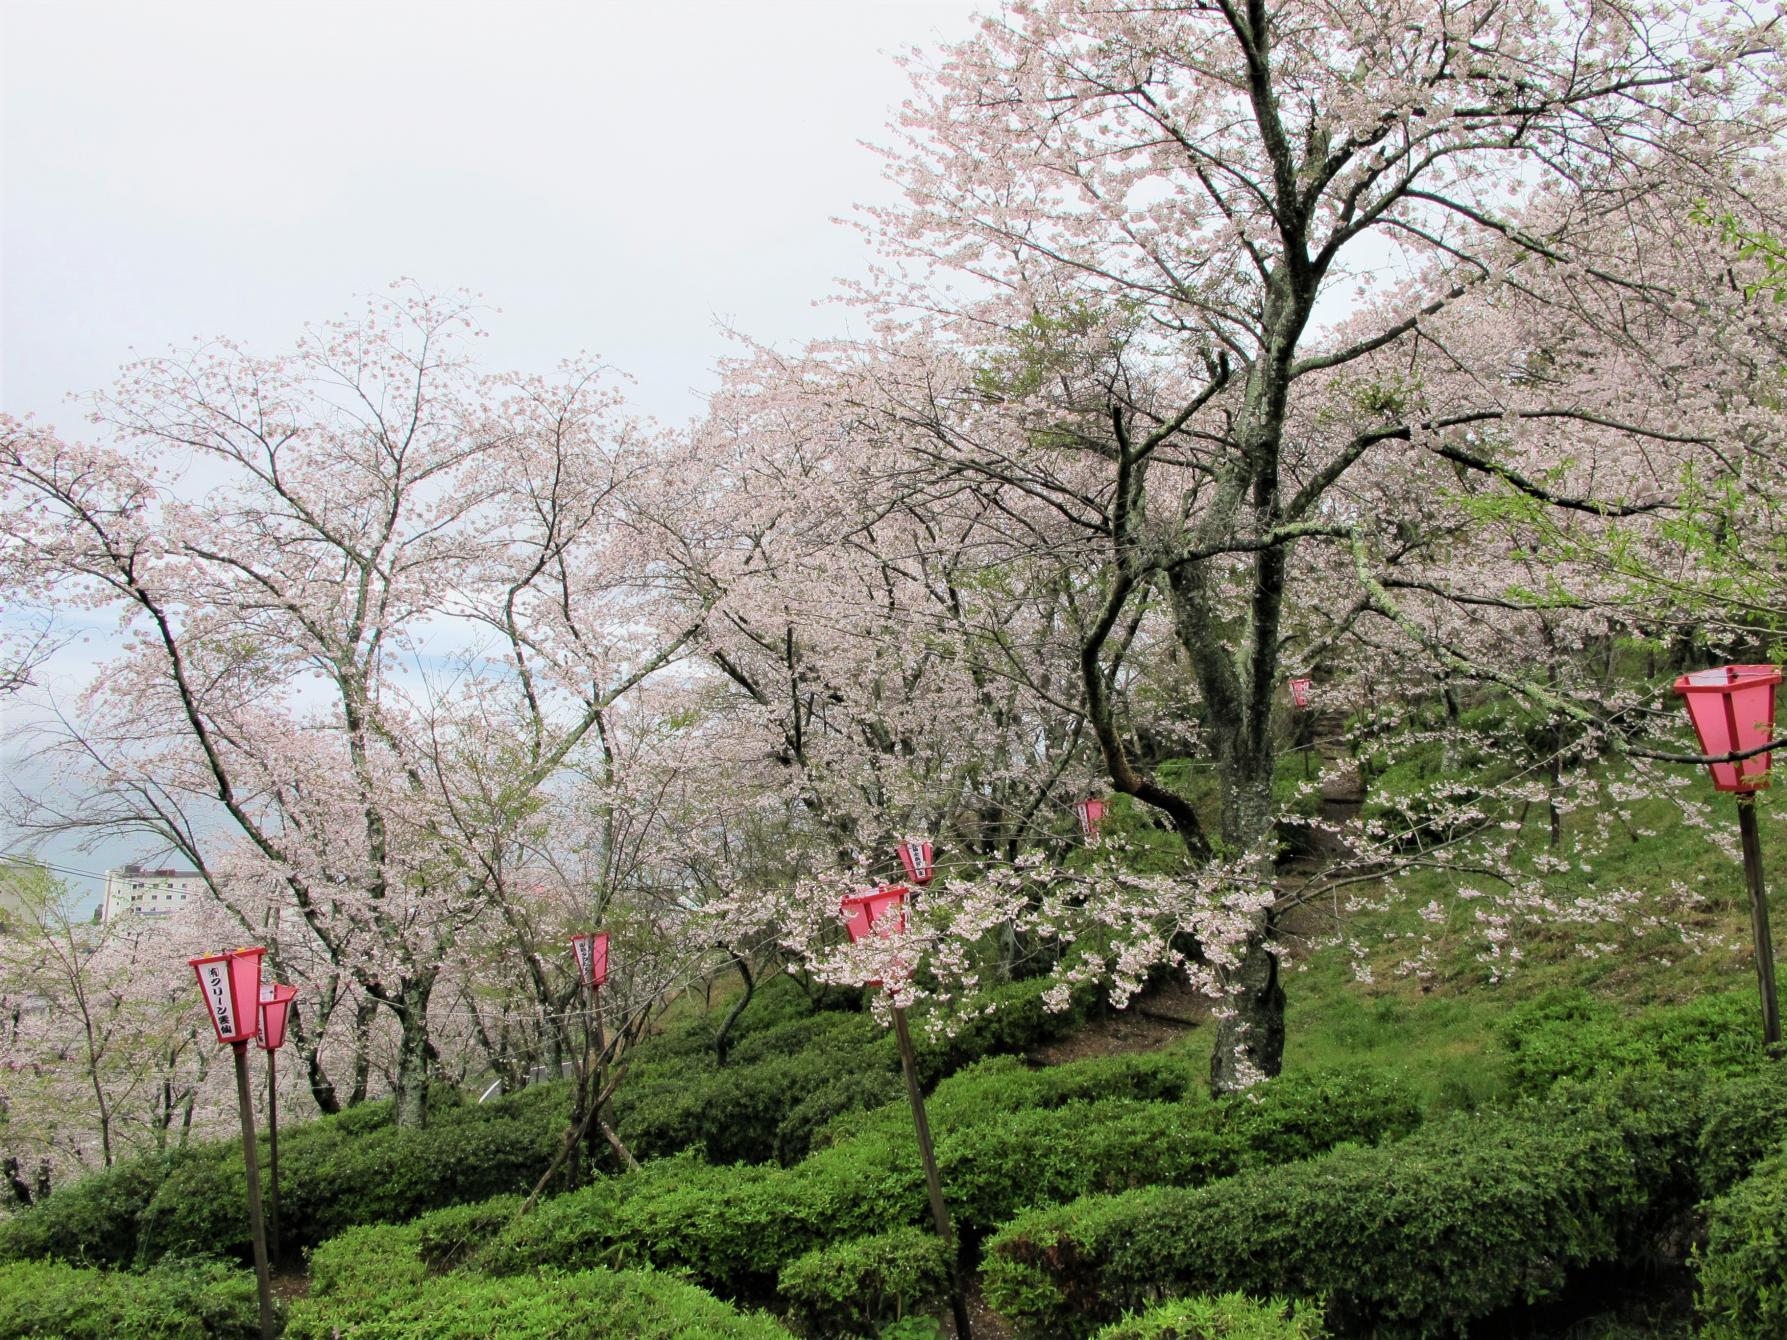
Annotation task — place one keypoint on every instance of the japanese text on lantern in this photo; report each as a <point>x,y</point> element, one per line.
<point>216,979</point>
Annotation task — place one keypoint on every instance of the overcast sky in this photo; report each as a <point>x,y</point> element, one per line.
<point>616,178</point>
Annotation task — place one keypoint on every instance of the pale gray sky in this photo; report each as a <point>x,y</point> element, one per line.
<point>616,178</point>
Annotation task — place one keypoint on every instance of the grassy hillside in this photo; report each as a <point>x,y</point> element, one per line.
<point>1558,1145</point>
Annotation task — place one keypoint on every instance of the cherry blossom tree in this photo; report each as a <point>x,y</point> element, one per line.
<point>101,1053</point>
<point>375,603</point>
<point>1250,316</point>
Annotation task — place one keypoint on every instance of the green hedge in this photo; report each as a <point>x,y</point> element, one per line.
<point>1008,1020</point>
<point>737,1112</point>
<point>371,1284</point>
<point>1228,1317</point>
<point>1743,1266</point>
<point>734,1229</point>
<point>188,1300</point>
<point>1003,1084</point>
<point>854,1288</point>
<point>788,1078</point>
<point>1572,1035</point>
<point>1419,1238</point>
<point>1745,1119</point>
<point>92,1221</point>
<point>834,1104</point>
<point>333,1173</point>
<point>996,1167</point>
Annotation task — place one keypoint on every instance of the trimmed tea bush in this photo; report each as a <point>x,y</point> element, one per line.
<point>784,1081</point>
<point>371,1284</point>
<point>187,1300</point>
<point>446,1237</point>
<point>843,1098</point>
<point>1232,1316</point>
<point>384,1176</point>
<point>1003,1084</point>
<point>993,1169</point>
<point>736,1112</point>
<point>92,1221</point>
<point>1745,1119</point>
<point>1572,1035</point>
<point>334,1173</point>
<point>854,1287</point>
<point>1743,1268</point>
<point>734,1229</point>
<point>1419,1238</point>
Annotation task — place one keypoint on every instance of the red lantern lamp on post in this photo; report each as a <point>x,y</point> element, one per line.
<point>1300,703</point>
<point>916,857</point>
<point>592,958</point>
<point>592,968</point>
<point>882,912</point>
<point>230,984</point>
<point>1091,814</point>
<point>275,1010</point>
<point>1733,711</point>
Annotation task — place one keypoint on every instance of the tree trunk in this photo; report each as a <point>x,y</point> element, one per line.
<point>411,1096</point>
<point>363,1014</point>
<point>723,1039</point>
<point>1249,1043</point>
<point>1250,1032</point>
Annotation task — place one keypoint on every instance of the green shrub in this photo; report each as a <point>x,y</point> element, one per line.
<point>1421,1237</point>
<point>1301,1114</point>
<point>1745,1119</point>
<point>188,1300</point>
<point>364,1117</point>
<point>733,1229</point>
<point>1004,1084</point>
<point>835,1102</point>
<point>730,1229</point>
<point>997,1167</point>
<point>334,1173</point>
<point>330,1182</point>
<point>855,1287</point>
<point>737,1112</point>
<point>590,1304</point>
<point>368,1263</point>
<point>371,1284</point>
<point>92,1221</point>
<point>785,1081</point>
<point>1231,1316</point>
<point>1572,1035</point>
<point>1743,1267</point>
<point>446,1237</point>
<point>1011,1020</point>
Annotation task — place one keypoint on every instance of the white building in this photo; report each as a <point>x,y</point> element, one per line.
<point>149,893</point>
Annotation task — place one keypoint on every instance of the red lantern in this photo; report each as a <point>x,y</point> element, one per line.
<point>276,1005</point>
<point>592,957</point>
<point>880,911</point>
<point>1300,693</point>
<point>231,985</point>
<point>916,857</point>
<point>1091,814</point>
<point>1733,709</point>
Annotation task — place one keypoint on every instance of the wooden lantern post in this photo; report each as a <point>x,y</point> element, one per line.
<point>882,912</point>
<point>275,1009</point>
<point>230,984</point>
<point>592,970</point>
<point>1300,702</point>
<point>1733,711</point>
